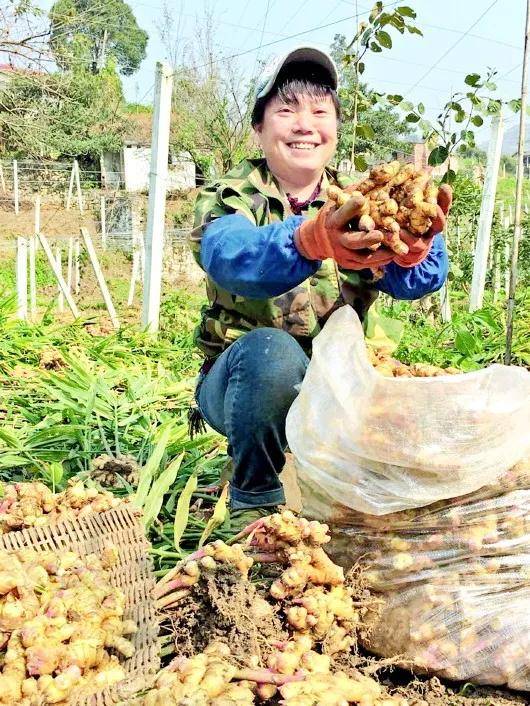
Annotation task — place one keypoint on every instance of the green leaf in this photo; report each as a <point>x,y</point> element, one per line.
<point>394,99</point>
<point>515,105</point>
<point>366,131</point>
<point>407,106</point>
<point>159,488</point>
<point>414,30</point>
<point>460,116</point>
<point>490,86</point>
<point>421,108</point>
<point>150,469</point>
<point>384,39</point>
<point>472,79</point>
<point>55,473</point>
<point>477,120</point>
<point>465,343</point>
<point>360,67</point>
<point>360,163</point>
<point>183,510</point>
<point>449,176</point>
<point>438,155</point>
<point>412,118</point>
<point>218,516</point>
<point>406,11</point>
<point>374,46</point>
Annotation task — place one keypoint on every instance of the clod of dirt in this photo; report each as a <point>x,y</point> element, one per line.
<point>433,692</point>
<point>226,608</point>
<point>51,359</point>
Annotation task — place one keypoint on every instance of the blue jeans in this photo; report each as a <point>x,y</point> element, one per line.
<point>246,396</point>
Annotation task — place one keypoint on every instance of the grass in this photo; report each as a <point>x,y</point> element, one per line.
<point>506,191</point>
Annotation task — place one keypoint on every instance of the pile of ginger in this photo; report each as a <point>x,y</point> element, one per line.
<point>397,196</point>
<point>24,505</point>
<point>318,609</point>
<point>60,618</point>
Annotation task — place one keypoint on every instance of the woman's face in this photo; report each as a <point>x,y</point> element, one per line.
<point>298,139</point>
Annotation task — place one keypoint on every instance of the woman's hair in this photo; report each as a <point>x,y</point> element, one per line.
<point>294,80</point>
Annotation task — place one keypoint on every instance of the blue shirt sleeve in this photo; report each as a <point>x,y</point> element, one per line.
<point>420,280</point>
<point>257,262</point>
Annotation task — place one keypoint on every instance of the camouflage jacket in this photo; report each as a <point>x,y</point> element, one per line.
<point>251,191</point>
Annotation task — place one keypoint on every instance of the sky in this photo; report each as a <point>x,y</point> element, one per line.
<point>460,37</point>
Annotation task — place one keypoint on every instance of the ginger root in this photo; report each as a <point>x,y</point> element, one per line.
<point>396,197</point>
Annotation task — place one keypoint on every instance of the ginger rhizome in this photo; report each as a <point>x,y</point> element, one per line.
<point>390,367</point>
<point>397,196</point>
<point>25,505</point>
<point>61,626</point>
<point>318,611</point>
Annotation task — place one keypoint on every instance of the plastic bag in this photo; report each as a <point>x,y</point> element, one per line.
<point>453,581</point>
<point>379,445</point>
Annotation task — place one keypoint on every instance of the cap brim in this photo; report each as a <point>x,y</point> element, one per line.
<point>303,54</point>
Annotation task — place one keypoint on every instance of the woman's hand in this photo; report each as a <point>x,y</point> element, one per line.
<point>329,236</point>
<point>419,247</point>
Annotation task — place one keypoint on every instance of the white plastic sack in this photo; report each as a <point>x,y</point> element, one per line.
<point>379,445</point>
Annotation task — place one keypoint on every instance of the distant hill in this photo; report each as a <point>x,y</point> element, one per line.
<point>511,139</point>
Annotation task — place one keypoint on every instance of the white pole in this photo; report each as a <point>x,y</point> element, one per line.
<point>78,186</point>
<point>60,295</point>
<point>32,276</point>
<point>2,179</point>
<point>32,260</point>
<point>71,186</point>
<point>77,267</point>
<point>70,262</point>
<point>22,278</point>
<point>507,266</point>
<point>486,215</point>
<point>510,213</point>
<point>157,197</point>
<point>99,276</point>
<point>103,217</point>
<point>58,275</point>
<point>496,274</point>
<point>15,185</point>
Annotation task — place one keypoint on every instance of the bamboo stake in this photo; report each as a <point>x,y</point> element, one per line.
<point>60,295</point>
<point>15,186</point>
<point>71,187</point>
<point>134,275</point>
<point>100,277</point>
<point>78,186</point>
<point>22,278</point>
<point>58,275</point>
<point>2,179</point>
<point>70,262</point>
<point>77,267</point>
<point>518,195</point>
<point>103,217</point>
<point>32,277</point>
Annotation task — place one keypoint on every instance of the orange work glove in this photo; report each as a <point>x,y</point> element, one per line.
<point>419,247</point>
<point>329,236</point>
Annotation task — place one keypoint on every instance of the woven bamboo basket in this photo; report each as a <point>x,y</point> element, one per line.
<point>133,574</point>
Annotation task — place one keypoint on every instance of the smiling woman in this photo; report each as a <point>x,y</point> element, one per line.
<point>280,258</point>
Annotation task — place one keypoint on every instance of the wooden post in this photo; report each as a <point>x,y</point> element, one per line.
<point>135,272</point>
<point>486,214</point>
<point>99,276</point>
<point>22,278</point>
<point>77,267</point>
<point>2,179</point>
<point>103,218</point>
<point>445,304</point>
<point>518,194</point>
<point>78,186</point>
<point>70,262</point>
<point>71,186</point>
<point>60,295</point>
<point>58,275</point>
<point>157,197</point>
<point>15,185</point>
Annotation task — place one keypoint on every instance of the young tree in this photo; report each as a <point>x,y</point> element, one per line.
<point>62,114</point>
<point>210,100</point>
<point>379,130</point>
<point>88,32</point>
